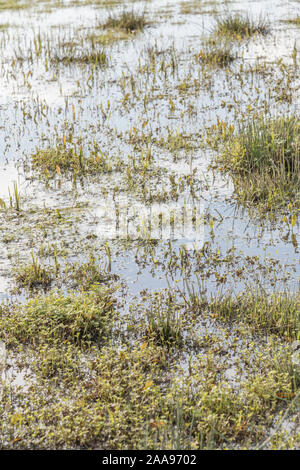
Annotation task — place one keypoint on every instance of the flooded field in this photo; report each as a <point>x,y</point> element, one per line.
<point>149,224</point>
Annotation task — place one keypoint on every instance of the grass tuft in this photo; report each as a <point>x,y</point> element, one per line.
<point>14,4</point>
<point>34,275</point>
<point>264,159</point>
<point>295,21</point>
<point>71,57</point>
<point>215,55</point>
<point>277,314</point>
<point>88,274</point>
<point>163,326</point>
<point>128,21</point>
<point>108,37</point>
<point>64,159</point>
<point>243,26</point>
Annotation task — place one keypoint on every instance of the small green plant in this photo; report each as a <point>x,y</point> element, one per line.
<point>270,143</point>
<point>108,254</point>
<point>87,274</point>
<point>164,326</point>
<point>13,199</point>
<point>34,275</point>
<point>58,361</point>
<point>295,21</point>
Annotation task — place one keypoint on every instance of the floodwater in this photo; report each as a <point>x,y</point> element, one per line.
<point>160,195</point>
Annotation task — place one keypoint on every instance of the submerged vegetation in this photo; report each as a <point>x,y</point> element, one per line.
<point>108,37</point>
<point>216,55</point>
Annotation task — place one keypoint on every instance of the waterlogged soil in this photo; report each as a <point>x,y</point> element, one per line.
<point>205,378</point>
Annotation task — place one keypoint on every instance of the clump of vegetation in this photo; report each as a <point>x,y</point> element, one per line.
<point>164,326</point>
<point>263,158</point>
<point>87,274</point>
<point>241,26</point>
<point>131,399</point>
<point>216,55</point>
<point>93,57</point>
<point>295,21</point>
<point>128,21</point>
<point>272,143</point>
<point>63,159</point>
<point>14,199</point>
<point>75,318</point>
<point>135,394</point>
<point>276,314</point>
<point>14,4</point>
<point>193,7</point>
<point>34,275</point>
<point>58,362</point>
<point>108,37</point>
